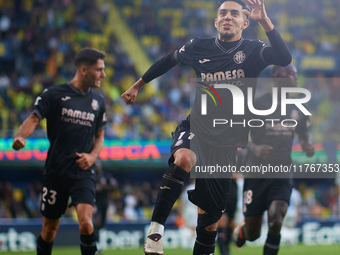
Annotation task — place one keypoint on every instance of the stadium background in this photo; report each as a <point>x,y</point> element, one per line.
<point>38,41</point>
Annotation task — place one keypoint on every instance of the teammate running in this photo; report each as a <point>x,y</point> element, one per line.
<point>226,57</point>
<point>272,145</point>
<point>76,121</point>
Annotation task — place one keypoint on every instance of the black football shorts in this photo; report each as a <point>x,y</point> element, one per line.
<point>210,194</point>
<point>57,190</point>
<point>259,193</point>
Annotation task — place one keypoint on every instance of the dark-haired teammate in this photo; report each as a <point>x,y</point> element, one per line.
<point>272,145</point>
<point>76,120</point>
<point>224,58</point>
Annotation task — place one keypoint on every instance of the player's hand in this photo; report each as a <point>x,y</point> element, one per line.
<point>18,143</point>
<point>258,12</point>
<point>262,151</point>
<point>309,149</point>
<point>85,160</point>
<point>130,95</point>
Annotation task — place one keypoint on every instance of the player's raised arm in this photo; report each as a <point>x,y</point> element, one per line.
<point>278,53</point>
<point>25,130</point>
<point>130,95</point>
<point>259,14</point>
<point>157,69</point>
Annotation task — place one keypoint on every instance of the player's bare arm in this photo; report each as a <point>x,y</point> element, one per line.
<point>259,14</point>
<point>260,150</point>
<point>87,159</point>
<point>306,144</point>
<point>130,95</point>
<point>25,130</point>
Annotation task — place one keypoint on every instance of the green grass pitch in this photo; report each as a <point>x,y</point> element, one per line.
<point>292,250</point>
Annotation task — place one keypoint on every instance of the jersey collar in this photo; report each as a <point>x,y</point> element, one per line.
<point>77,90</point>
<point>230,50</point>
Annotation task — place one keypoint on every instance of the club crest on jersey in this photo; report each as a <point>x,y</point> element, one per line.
<point>95,105</point>
<point>239,57</point>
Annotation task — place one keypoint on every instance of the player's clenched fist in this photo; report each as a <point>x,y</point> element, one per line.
<point>18,143</point>
<point>130,95</point>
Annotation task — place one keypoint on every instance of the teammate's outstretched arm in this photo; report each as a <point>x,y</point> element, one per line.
<point>25,130</point>
<point>130,95</point>
<point>157,69</point>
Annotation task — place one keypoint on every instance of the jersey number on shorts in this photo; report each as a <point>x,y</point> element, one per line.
<point>247,199</point>
<point>52,198</point>
<point>180,141</point>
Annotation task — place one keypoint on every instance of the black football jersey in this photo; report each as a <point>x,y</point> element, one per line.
<point>73,118</point>
<point>276,135</point>
<point>214,62</point>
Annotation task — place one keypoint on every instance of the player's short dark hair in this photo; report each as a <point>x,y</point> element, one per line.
<point>88,56</point>
<point>244,5</point>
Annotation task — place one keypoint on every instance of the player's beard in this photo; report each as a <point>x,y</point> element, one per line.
<point>87,82</point>
<point>227,36</point>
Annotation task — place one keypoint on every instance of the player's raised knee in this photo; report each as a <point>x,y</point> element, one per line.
<point>253,234</point>
<point>185,159</point>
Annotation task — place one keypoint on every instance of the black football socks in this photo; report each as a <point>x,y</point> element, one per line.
<point>272,245</point>
<point>88,244</point>
<point>43,248</point>
<point>170,190</point>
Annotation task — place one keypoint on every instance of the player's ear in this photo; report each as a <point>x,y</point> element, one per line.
<point>245,23</point>
<point>83,70</point>
<point>215,23</point>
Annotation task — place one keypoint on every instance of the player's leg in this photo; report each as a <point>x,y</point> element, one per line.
<point>99,221</point>
<point>53,204</point>
<point>278,201</point>
<point>171,186</point>
<point>276,212</point>
<point>47,235</point>
<point>254,205</point>
<point>221,235</point>
<point>230,211</point>
<point>252,227</point>
<point>206,231</point>
<point>170,190</point>
<point>225,228</point>
<point>82,192</point>
<point>88,244</point>
<point>249,229</point>
<point>229,232</point>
